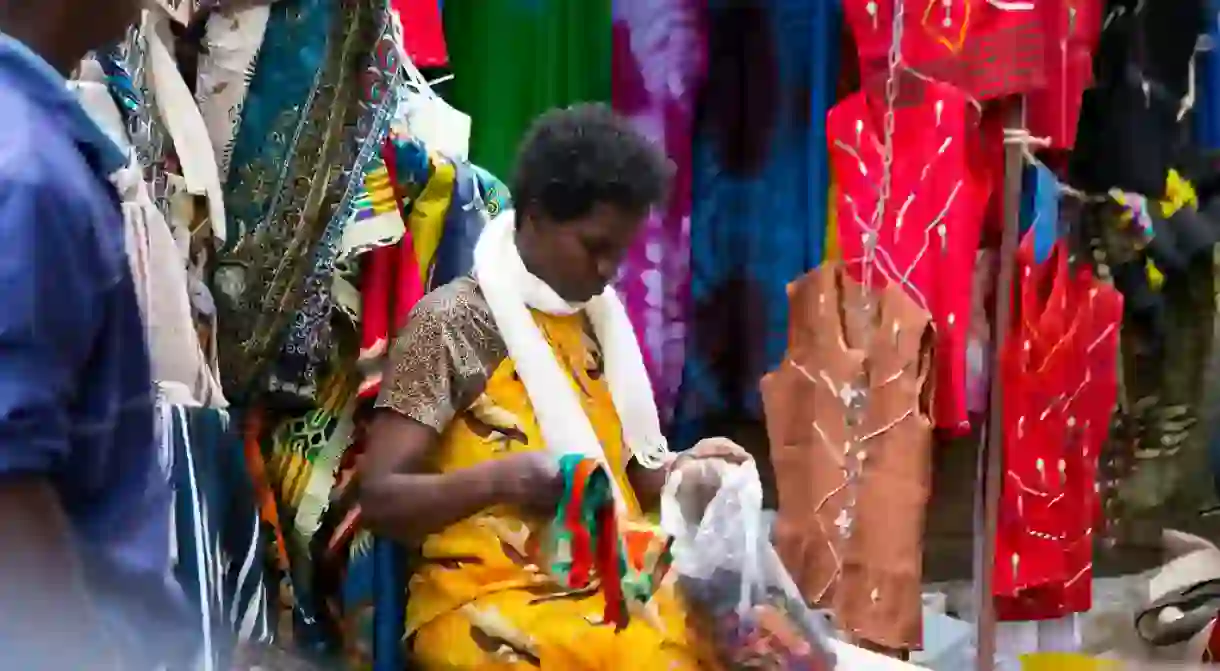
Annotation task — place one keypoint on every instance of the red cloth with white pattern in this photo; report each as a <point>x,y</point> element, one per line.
<point>991,48</point>
<point>1073,28</point>
<point>928,234</point>
<point>988,48</point>
<point>423,32</point>
<point>1060,384</point>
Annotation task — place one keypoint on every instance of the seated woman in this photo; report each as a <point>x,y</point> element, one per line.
<point>498,374</point>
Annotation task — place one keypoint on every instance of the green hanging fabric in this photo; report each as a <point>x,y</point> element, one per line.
<point>591,544</point>
<point>514,59</point>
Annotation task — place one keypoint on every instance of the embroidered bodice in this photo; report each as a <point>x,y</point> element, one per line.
<point>1072,29</point>
<point>927,232</point>
<point>1060,385</point>
<point>851,446</point>
<point>989,48</point>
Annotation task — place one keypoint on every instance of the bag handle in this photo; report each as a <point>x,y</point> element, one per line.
<point>743,483</point>
<point>738,498</point>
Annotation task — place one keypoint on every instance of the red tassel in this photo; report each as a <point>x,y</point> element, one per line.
<point>609,566</point>
<point>582,542</point>
<point>1212,653</point>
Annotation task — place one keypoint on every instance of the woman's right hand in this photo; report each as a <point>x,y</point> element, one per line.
<point>529,480</point>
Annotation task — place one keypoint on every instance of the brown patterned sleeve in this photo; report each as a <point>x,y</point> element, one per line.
<point>440,362</point>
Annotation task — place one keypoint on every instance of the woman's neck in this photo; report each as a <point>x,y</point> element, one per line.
<point>534,265</point>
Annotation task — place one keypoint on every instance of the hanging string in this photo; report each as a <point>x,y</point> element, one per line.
<point>1023,138</point>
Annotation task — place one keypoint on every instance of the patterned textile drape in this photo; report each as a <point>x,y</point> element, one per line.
<point>658,64</point>
<point>216,541</point>
<point>319,97</point>
<point>760,185</point>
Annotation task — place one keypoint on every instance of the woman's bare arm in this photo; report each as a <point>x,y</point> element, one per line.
<point>647,483</point>
<point>401,500</point>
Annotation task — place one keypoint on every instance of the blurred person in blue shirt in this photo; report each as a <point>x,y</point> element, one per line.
<point>84,502</point>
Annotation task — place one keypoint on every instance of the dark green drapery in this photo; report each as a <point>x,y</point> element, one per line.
<point>514,59</point>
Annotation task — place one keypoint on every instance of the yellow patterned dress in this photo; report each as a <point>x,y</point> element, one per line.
<point>479,598</point>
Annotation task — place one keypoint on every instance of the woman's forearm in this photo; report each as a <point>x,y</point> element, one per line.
<point>647,483</point>
<point>409,506</point>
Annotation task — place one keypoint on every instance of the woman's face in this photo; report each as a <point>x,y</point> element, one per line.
<point>578,258</point>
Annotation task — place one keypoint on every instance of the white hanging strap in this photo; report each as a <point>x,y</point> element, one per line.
<point>1188,101</point>
<point>435,122</point>
<point>184,122</point>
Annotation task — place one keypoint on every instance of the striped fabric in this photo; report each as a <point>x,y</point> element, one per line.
<point>376,195</point>
<point>215,541</point>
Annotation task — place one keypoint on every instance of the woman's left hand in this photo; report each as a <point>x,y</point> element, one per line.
<point>700,479</point>
<point>715,448</point>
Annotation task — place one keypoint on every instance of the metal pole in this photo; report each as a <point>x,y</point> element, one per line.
<point>992,458</point>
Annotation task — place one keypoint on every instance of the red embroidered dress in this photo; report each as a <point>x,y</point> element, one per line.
<point>422,32</point>
<point>1073,28</point>
<point>1091,404</point>
<point>989,48</point>
<point>1060,385</point>
<point>928,231</point>
<point>992,48</point>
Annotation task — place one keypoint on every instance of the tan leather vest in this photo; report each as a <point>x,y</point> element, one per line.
<point>851,446</point>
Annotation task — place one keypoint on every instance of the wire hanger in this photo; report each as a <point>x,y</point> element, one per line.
<point>883,263</point>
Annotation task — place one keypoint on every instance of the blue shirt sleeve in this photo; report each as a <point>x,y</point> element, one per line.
<point>48,319</point>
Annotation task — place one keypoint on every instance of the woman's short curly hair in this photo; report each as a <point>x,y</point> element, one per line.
<point>577,157</point>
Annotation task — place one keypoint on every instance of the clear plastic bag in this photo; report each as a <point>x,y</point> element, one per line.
<point>739,593</point>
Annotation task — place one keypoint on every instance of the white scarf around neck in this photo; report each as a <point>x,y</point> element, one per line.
<point>511,291</point>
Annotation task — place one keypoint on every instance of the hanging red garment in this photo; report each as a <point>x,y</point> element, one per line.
<point>1211,653</point>
<point>423,32</point>
<point>390,286</point>
<point>1073,28</point>
<point>1035,368</point>
<point>376,295</point>
<point>928,235</point>
<point>988,48</point>
<point>1060,384</point>
<point>1090,407</point>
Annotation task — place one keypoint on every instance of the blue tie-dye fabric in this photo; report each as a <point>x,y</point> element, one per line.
<point>760,188</point>
<point>1207,104</point>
